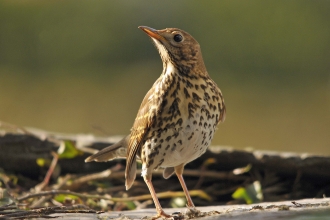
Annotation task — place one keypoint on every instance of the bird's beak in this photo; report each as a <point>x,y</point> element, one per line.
<point>152,33</point>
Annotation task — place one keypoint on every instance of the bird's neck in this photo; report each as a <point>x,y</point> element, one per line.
<point>168,69</point>
<point>194,71</point>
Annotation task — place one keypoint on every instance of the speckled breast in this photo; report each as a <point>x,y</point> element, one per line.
<point>187,115</point>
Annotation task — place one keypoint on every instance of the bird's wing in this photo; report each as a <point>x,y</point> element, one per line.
<point>140,129</point>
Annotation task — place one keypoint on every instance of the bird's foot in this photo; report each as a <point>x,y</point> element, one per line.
<point>177,215</point>
<point>161,214</point>
<point>192,212</point>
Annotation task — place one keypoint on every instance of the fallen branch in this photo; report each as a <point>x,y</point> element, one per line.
<point>162,195</point>
<point>44,212</point>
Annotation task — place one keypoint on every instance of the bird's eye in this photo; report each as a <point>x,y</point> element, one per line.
<point>178,38</point>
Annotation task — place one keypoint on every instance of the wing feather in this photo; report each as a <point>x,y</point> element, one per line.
<point>140,129</point>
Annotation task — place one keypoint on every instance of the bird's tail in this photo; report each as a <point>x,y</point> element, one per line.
<point>117,150</point>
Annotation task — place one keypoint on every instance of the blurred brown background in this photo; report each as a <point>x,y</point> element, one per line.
<point>84,66</point>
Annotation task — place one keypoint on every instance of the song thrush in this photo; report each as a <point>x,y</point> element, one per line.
<point>177,118</point>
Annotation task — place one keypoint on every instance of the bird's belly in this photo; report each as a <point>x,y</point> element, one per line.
<point>193,146</point>
<point>178,146</point>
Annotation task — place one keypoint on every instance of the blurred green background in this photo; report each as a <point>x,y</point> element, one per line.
<point>84,66</point>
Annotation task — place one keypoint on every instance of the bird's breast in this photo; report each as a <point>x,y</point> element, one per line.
<point>186,119</point>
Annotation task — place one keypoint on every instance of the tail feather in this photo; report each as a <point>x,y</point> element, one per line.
<point>130,174</point>
<point>168,172</point>
<point>117,150</point>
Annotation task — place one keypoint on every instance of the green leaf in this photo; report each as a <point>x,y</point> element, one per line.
<point>69,151</point>
<point>130,205</point>
<point>61,197</point>
<point>41,162</point>
<point>251,193</point>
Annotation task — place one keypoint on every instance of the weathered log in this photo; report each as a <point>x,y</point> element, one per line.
<point>20,150</point>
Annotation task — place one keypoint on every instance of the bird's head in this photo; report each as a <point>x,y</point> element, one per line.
<point>178,48</point>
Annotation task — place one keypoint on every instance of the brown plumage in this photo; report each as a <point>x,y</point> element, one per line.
<point>177,118</point>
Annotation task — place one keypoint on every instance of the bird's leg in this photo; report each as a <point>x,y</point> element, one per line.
<point>160,211</point>
<point>179,172</point>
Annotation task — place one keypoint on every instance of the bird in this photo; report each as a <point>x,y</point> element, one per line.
<point>177,118</point>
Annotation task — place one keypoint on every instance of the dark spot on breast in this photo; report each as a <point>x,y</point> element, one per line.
<point>164,103</point>
<point>168,138</point>
<point>174,147</point>
<point>186,93</point>
<point>192,134</point>
<point>205,124</point>
<point>196,87</point>
<point>207,112</point>
<point>160,163</point>
<point>210,83</point>
<point>174,108</point>
<point>166,119</point>
<point>203,86</point>
<point>161,140</point>
<point>177,84</point>
<point>167,147</point>
<point>150,162</point>
<point>170,125</point>
<point>196,97</point>
<point>160,122</point>
<point>191,110</point>
<point>195,122</point>
<point>153,154</point>
<point>179,122</point>
<point>188,84</point>
<point>206,96</point>
<point>174,93</point>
